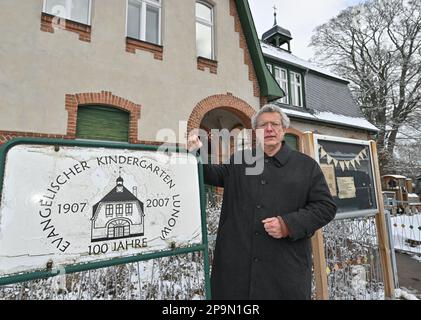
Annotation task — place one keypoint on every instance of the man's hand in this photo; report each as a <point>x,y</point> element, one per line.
<point>276,227</point>
<point>193,143</point>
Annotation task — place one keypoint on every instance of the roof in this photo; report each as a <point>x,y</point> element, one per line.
<point>396,176</point>
<point>114,196</point>
<point>268,86</point>
<point>289,58</point>
<point>328,118</point>
<point>329,95</point>
<point>328,98</point>
<point>277,30</point>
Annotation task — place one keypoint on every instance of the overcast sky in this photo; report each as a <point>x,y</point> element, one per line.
<point>300,17</point>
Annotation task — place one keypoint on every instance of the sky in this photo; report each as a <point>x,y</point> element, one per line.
<point>300,17</point>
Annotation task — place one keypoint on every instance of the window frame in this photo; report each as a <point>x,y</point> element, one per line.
<point>126,209</point>
<point>119,207</point>
<point>286,81</point>
<point>291,70</point>
<point>109,210</point>
<point>142,22</point>
<point>295,84</point>
<point>206,23</point>
<point>89,22</point>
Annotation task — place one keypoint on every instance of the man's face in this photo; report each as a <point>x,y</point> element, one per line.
<point>273,131</point>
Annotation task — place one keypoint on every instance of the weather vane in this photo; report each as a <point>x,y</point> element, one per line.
<point>274,14</point>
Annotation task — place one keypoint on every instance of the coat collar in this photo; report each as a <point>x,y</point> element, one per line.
<point>281,157</point>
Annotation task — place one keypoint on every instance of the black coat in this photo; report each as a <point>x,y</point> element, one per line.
<point>250,264</point>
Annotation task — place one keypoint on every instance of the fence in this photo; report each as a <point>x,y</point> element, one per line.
<point>405,226</point>
<point>352,256</point>
<point>171,278</point>
<point>351,250</point>
<point>177,277</point>
<point>353,260</point>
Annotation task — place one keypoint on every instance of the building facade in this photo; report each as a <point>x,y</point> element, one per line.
<point>119,214</point>
<point>124,70</point>
<point>315,99</point>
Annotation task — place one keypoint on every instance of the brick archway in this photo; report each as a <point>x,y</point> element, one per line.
<point>73,101</point>
<point>223,101</point>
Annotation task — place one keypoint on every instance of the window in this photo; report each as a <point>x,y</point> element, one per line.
<point>281,76</point>
<point>109,210</point>
<point>204,30</point>
<point>75,10</point>
<point>119,210</point>
<point>296,89</point>
<point>292,141</point>
<point>129,209</point>
<point>102,123</point>
<point>291,83</point>
<point>144,20</point>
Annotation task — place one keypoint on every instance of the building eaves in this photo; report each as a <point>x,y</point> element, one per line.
<point>268,86</point>
<point>287,57</point>
<point>329,118</point>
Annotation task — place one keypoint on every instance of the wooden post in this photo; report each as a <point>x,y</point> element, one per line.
<point>382,237</point>
<point>319,259</point>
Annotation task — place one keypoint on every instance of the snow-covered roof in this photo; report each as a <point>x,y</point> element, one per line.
<point>396,176</point>
<point>346,120</point>
<point>327,96</point>
<point>332,118</point>
<point>282,55</point>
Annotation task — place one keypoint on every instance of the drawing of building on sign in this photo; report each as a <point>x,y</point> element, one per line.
<point>118,215</point>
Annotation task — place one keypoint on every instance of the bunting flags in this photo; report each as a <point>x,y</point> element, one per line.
<point>344,164</point>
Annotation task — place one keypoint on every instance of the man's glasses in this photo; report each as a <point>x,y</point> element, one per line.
<point>273,124</point>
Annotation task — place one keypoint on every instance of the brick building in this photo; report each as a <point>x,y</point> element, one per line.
<point>123,70</point>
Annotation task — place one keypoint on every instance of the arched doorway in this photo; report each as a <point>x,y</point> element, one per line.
<point>118,228</point>
<point>219,112</point>
<point>216,113</point>
<point>226,134</point>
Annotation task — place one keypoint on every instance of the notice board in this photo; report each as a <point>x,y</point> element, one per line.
<point>348,169</point>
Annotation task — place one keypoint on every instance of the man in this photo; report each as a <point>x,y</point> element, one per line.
<point>263,247</point>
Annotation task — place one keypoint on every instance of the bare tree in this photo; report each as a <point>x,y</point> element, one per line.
<point>408,162</point>
<point>377,46</point>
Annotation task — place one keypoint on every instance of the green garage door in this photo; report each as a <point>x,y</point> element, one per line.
<point>102,123</point>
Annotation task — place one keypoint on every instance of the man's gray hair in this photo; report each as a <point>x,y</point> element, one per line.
<point>270,108</point>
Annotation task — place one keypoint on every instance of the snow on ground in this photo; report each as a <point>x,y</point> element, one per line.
<point>402,294</point>
<point>416,257</point>
<point>353,260</point>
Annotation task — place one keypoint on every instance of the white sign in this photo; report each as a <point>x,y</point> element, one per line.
<point>76,204</point>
